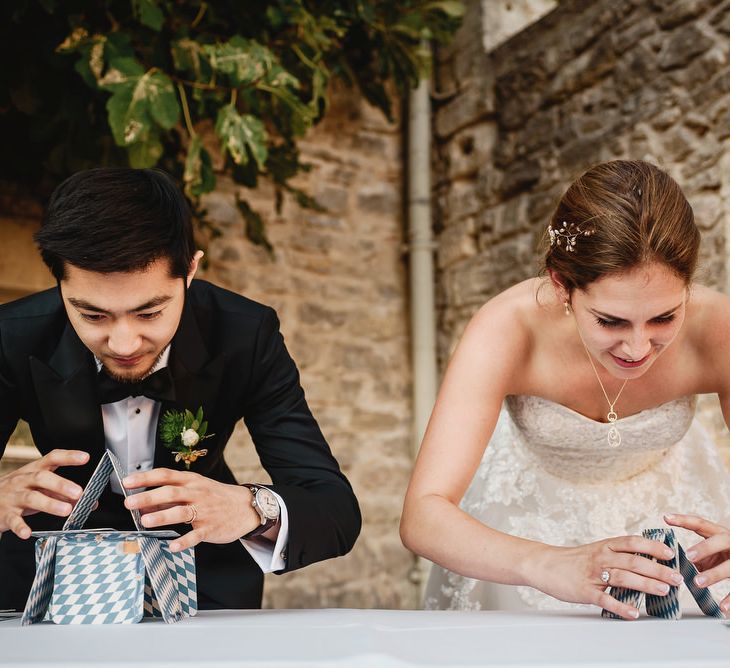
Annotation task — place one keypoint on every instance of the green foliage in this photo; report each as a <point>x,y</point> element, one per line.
<point>172,425</point>
<point>132,81</point>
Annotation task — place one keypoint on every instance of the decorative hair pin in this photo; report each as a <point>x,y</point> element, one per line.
<point>567,234</point>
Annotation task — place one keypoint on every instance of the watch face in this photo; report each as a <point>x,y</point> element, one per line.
<point>268,503</point>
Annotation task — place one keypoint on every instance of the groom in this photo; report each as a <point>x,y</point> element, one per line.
<point>128,339</point>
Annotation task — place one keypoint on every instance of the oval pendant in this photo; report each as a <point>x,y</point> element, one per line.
<point>614,438</point>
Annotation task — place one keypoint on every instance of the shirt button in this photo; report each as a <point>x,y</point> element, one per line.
<point>138,411</point>
<point>138,467</point>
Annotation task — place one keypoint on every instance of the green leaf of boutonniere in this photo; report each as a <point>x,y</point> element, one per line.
<point>181,431</point>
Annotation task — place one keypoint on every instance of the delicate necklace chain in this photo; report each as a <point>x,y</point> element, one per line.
<point>614,436</point>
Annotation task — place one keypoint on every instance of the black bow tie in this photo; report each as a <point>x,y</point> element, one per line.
<point>157,386</point>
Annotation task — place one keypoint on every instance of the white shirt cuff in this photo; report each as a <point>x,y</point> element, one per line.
<point>270,557</point>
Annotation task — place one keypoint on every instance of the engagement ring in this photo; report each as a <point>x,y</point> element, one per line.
<point>605,577</point>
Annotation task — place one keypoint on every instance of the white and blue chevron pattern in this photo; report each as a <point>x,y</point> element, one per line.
<point>40,593</point>
<point>97,582</point>
<point>88,577</point>
<point>182,567</point>
<point>667,607</point>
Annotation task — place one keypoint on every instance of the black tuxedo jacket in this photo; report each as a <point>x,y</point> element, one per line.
<point>227,356</point>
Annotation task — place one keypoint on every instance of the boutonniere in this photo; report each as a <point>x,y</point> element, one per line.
<point>181,431</point>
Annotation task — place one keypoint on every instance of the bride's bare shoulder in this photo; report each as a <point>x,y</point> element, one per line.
<point>708,317</point>
<point>515,311</point>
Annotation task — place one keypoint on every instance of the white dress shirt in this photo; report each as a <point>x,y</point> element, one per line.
<point>130,427</point>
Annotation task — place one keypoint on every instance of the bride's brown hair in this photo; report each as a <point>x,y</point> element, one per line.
<point>634,212</point>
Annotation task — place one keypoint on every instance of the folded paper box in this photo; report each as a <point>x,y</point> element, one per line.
<point>104,576</point>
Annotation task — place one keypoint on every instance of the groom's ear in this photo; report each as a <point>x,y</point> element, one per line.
<point>193,266</point>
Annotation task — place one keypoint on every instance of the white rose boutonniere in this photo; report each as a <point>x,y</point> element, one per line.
<point>181,431</point>
<point>190,438</point>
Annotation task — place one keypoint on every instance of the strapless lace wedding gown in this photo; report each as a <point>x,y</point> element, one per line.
<point>548,474</point>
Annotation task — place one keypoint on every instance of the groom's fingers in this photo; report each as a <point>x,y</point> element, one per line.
<point>154,498</point>
<point>54,485</point>
<point>174,514</point>
<point>58,458</point>
<point>19,527</point>
<point>190,539</point>
<point>161,506</point>
<point>32,501</point>
<point>158,478</point>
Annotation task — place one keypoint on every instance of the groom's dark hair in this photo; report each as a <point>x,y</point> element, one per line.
<point>116,219</point>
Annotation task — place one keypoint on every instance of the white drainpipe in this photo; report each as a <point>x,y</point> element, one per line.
<point>422,282</point>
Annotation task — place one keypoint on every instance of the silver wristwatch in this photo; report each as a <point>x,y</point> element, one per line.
<point>266,505</point>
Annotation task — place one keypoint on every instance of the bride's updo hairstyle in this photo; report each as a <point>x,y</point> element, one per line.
<point>617,216</point>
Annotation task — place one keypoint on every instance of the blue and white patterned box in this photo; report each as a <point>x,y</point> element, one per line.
<point>103,576</point>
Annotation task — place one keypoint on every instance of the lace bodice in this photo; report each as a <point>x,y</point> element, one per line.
<point>549,475</point>
<point>571,446</point>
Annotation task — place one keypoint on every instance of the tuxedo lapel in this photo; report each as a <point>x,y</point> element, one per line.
<point>197,377</point>
<point>66,392</point>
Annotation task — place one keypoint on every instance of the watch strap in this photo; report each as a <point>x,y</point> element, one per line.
<point>266,523</point>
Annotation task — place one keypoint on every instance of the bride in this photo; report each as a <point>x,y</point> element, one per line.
<point>583,384</point>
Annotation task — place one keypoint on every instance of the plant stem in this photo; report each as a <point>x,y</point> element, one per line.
<point>186,111</point>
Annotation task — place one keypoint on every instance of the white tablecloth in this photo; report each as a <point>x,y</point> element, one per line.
<point>379,638</point>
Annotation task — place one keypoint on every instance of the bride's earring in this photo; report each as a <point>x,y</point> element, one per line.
<point>566,305</point>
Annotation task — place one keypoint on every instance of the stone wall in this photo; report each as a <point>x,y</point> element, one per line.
<point>592,80</point>
<point>338,282</point>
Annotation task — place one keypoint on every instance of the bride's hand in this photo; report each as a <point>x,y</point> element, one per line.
<point>712,555</point>
<point>573,574</point>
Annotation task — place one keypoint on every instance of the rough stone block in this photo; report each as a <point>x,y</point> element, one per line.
<point>382,199</point>
<point>677,13</point>
<point>456,243</point>
<point>473,104</point>
<point>539,130</point>
<point>722,22</point>
<point>519,94</point>
<point>333,198</point>
<point>541,205</point>
<point>520,176</point>
<point>627,38</point>
<point>221,209</point>
<point>700,71</point>
<point>678,144</point>
<point>708,209</point>
<point>462,200</point>
<point>635,70</point>
<point>468,149</point>
<point>584,71</point>
<point>312,313</point>
<point>666,119</point>
<point>684,45</point>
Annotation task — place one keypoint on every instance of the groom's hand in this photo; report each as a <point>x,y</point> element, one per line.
<point>35,488</point>
<point>221,513</point>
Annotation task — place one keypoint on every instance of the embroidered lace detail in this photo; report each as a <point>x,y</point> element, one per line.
<point>549,475</point>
